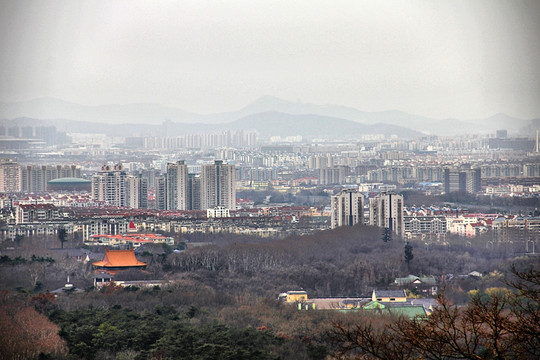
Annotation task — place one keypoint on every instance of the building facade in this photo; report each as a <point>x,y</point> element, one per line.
<point>136,192</point>
<point>35,177</point>
<point>462,180</point>
<point>422,226</point>
<point>10,177</point>
<point>386,210</point>
<point>35,213</point>
<point>347,208</point>
<point>218,185</point>
<point>177,186</point>
<point>109,185</point>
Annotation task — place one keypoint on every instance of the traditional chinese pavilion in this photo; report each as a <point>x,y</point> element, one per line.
<point>119,260</point>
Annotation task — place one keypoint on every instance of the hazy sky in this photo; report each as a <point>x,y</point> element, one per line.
<point>454,58</point>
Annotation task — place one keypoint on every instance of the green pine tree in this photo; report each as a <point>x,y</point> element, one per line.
<point>408,254</point>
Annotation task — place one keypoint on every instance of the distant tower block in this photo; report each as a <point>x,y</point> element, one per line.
<point>536,148</point>
<point>501,134</point>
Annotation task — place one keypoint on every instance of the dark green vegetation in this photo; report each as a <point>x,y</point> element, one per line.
<point>220,299</point>
<point>124,323</point>
<point>62,236</point>
<point>408,254</point>
<point>163,333</point>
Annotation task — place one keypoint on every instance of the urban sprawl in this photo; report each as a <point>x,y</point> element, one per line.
<point>96,187</point>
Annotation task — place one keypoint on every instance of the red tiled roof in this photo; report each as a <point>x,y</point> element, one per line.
<point>37,206</point>
<point>119,258</point>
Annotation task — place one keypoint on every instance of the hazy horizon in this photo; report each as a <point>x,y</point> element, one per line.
<point>438,59</point>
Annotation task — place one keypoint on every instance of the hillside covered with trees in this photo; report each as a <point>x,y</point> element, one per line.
<point>220,300</point>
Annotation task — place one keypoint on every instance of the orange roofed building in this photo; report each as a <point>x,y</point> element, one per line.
<point>119,260</point>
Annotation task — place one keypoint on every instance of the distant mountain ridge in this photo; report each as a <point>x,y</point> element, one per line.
<point>48,108</point>
<point>266,124</point>
<point>153,115</point>
<point>282,124</point>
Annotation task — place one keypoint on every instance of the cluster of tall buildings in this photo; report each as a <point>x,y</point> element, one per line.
<point>237,138</point>
<point>385,210</point>
<point>33,178</point>
<point>47,134</point>
<point>180,190</point>
<point>112,185</point>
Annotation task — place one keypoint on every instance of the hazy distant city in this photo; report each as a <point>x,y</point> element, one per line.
<point>270,180</point>
<point>268,173</point>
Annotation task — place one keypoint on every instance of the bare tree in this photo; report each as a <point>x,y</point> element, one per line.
<point>499,324</point>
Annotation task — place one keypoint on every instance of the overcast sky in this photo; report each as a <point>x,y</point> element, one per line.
<point>456,58</point>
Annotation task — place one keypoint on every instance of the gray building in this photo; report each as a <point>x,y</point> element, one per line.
<point>218,185</point>
<point>462,180</point>
<point>386,210</point>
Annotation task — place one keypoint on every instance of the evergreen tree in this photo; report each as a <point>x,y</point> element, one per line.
<point>408,254</point>
<point>387,235</point>
<point>62,236</point>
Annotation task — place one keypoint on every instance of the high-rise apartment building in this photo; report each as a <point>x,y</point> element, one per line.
<point>347,208</point>
<point>172,190</point>
<point>136,192</point>
<point>35,177</point>
<point>333,175</point>
<point>386,210</point>
<point>218,185</point>
<point>194,191</point>
<point>109,185</point>
<point>10,176</point>
<point>180,190</point>
<point>177,186</point>
<point>161,193</point>
<point>462,180</point>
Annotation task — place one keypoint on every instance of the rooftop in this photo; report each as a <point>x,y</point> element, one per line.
<point>119,259</point>
<point>390,293</point>
<point>69,180</point>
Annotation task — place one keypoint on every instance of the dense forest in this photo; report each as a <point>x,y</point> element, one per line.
<point>219,301</point>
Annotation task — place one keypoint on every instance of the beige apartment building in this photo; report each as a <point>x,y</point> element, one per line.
<point>347,208</point>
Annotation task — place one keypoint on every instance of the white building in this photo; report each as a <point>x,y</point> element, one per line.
<point>109,185</point>
<point>218,185</point>
<point>218,212</point>
<point>386,210</point>
<point>347,208</point>
<point>136,192</point>
<point>10,177</point>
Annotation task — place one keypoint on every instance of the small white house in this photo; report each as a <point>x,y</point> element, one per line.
<point>218,212</point>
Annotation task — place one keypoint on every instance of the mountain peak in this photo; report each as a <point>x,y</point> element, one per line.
<point>268,101</point>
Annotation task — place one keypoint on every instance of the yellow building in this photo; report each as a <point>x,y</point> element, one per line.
<point>293,296</point>
<point>389,296</point>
